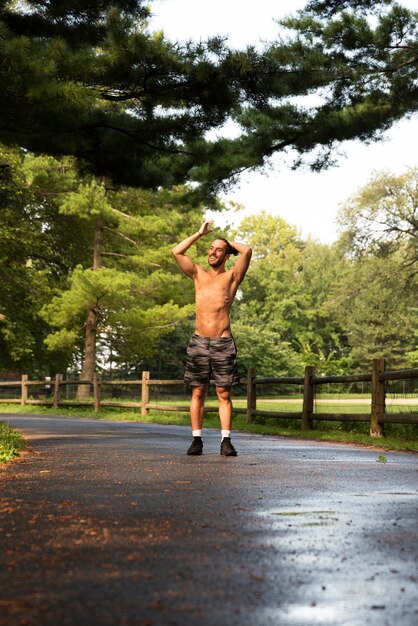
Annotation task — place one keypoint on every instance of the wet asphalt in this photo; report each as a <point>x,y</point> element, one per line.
<point>111,523</point>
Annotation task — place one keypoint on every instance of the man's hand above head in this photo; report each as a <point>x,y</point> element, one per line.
<point>205,227</point>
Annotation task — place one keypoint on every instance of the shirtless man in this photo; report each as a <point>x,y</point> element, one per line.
<point>211,352</point>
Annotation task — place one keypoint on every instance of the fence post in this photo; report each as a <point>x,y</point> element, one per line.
<point>96,391</point>
<point>251,394</point>
<point>145,393</point>
<point>24,393</point>
<point>378,398</point>
<point>57,389</point>
<point>308,398</point>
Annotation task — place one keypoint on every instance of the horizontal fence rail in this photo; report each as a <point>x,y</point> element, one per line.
<point>50,393</point>
<point>352,378</point>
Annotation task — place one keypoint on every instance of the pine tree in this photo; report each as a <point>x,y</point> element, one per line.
<point>339,71</point>
<point>90,79</point>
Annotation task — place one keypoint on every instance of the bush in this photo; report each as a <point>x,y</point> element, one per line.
<point>11,443</point>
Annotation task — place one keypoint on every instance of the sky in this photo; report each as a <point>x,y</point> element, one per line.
<point>310,201</point>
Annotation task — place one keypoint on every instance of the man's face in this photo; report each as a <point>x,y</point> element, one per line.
<point>217,253</point>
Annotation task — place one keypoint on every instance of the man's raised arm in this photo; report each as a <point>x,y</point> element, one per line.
<point>185,263</point>
<point>243,261</point>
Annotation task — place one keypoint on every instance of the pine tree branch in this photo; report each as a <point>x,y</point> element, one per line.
<point>115,232</point>
<point>118,254</point>
<point>133,136</point>
<point>170,325</point>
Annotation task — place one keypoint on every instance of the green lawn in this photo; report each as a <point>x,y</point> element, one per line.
<point>397,436</point>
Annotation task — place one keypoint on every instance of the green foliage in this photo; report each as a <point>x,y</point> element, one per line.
<point>263,349</point>
<point>375,303</point>
<point>144,329</point>
<point>335,307</point>
<point>91,80</point>
<point>50,215</point>
<point>331,76</point>
<point>37,248</point>
<point>11,443</point>
<point>107,290</point>
<point>73,246</point>
<point>134,290</point>
<point>88,201</point>
<point>382,217</point>
<point>375,299</point>
<point>283,300</point>
<point>95,83</point>
<point>321,339</point>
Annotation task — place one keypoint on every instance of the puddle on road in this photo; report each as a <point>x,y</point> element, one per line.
<point>297,513</point>
<point>321,518</point>
<point>379,495</point>
<point>311,614</point>
<point>400,493</point>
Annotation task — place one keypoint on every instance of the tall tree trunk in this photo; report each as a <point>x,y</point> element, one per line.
<point>98,244</point>
<point>89,362</point>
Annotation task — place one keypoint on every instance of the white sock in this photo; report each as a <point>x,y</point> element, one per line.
<point>197,433</point>
<point>225,433</point>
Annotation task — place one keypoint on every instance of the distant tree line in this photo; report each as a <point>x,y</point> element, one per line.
<point>335,306</point>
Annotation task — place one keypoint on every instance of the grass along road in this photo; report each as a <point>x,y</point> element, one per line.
<point>397,436</point>
<point>346,401</point>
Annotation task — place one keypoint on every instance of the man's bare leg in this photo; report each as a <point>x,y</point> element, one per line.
<point>225,407</point>
<point>225,417</point>
<point>197,405</point>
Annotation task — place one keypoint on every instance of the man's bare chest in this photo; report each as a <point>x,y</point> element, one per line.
<point>217,287</point>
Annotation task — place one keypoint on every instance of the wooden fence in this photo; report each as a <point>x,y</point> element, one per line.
<point>377,416</point>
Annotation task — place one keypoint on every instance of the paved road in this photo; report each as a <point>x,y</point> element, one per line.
<point>112,524</point>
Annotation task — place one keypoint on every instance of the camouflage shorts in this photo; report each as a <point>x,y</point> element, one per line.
<point>211,358</point>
